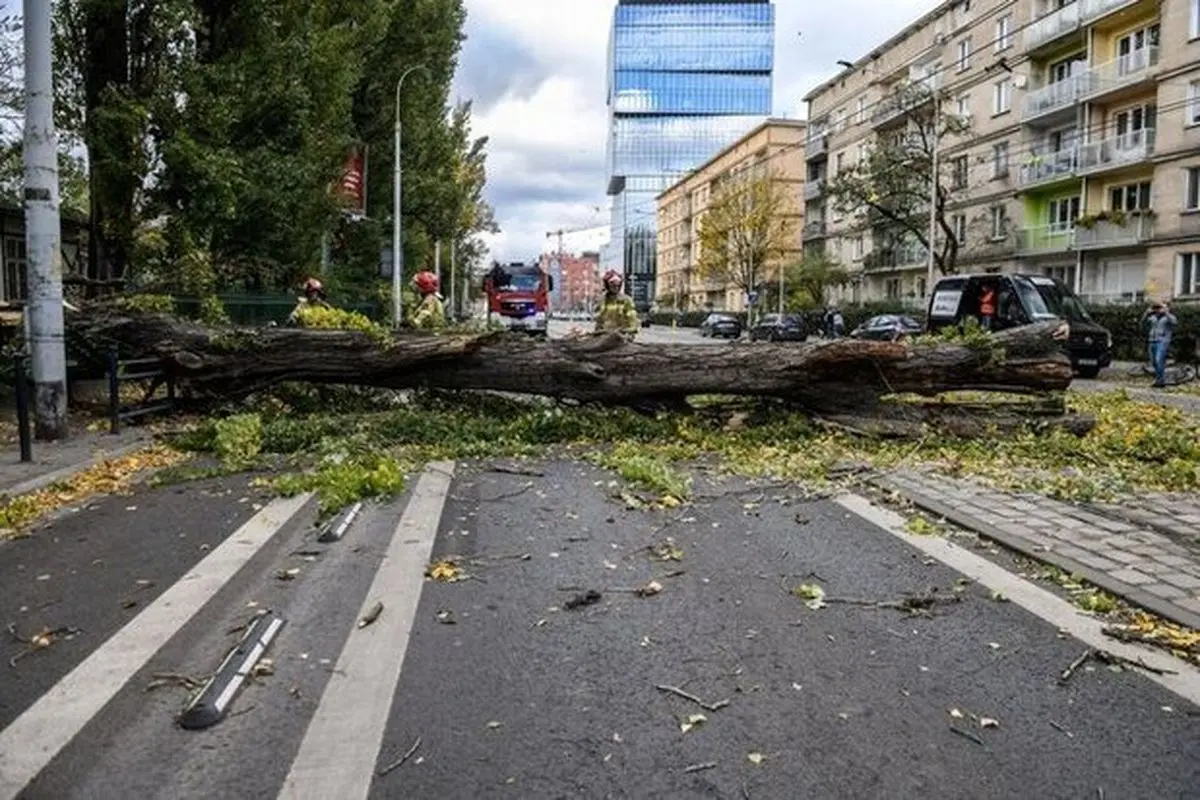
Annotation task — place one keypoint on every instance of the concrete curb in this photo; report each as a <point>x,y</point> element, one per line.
<point>63,473</point>
<point>1139,597</point>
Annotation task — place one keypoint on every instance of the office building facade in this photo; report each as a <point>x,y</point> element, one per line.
<point>686,79</point>
<point>1082,156</point>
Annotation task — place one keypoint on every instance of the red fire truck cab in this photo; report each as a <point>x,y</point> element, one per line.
<point>518,297</point>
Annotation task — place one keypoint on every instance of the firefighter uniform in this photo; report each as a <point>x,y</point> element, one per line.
<point>430,314</point>
<point>617,314</point>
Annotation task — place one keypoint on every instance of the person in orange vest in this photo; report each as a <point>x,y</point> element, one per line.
<point>987,308</point>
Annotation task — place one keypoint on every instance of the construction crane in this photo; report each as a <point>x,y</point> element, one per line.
<point>560,233</point>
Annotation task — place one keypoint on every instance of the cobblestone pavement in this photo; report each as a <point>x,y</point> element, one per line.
<point>1147,552</point>
<point>55,461</point>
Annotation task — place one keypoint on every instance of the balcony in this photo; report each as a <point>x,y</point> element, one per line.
<point>1048,168</point>
<point>892,258</point>
<point>905,98</point>
<point>1128,70</point>
<point>1043,239</point>
<point>1092,10</point>
<point>813,188</point>
<point>1053,25</point>
<point>1055,97</point>
<point>813,229</point>
<point>1119,151</point>
<point>817,146</point>
<point>1115,231</point>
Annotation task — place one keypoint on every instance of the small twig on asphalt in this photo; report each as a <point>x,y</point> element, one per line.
<point>913,605</point>
<point>745,791</point>
<point>967,735</point>
<point>526,471</point>
<point>674,574</point>
<point>701,767</point>
<point>12,631</point>
<point>241,711</point>
<point>400,761</point>
<point>507,495</point>
<point>1074,665</point>
<point>41,641</point>
<point>1058,726</point>
<point>675,690</point>
<point>160,679</point>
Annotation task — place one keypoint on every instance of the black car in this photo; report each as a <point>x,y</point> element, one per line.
<point>887,328</point>
<point>1023,300</point>
<point>779,328</point>
<point>721,325</point>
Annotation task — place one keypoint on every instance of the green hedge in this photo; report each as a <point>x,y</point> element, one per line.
<point>1129,339</point>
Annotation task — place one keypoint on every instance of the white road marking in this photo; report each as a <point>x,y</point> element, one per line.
<point>337,757</point>
<point>37,736</point>
<point>1033,598</point>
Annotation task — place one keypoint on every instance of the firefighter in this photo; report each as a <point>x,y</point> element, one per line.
<point>430,314</point>
<point>314,297</point>
<point>617,313</point>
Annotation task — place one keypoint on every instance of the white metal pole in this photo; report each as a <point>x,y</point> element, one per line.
<point>42,229</point>
<point>437,260</point>
<point>398,210</point>
<point>931,278</point>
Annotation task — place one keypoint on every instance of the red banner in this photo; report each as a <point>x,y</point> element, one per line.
<point>352,189</point>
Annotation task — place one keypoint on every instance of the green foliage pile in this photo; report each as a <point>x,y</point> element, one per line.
<point>352,444</point>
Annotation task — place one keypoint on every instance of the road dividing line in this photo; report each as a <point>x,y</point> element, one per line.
<point>37,736</point>
<point>1033,598</point>
<point>337,757</point>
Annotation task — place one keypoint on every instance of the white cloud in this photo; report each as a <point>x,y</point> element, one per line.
<point>536,69</point>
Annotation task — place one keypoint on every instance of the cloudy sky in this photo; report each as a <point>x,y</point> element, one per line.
<point>535,70</point>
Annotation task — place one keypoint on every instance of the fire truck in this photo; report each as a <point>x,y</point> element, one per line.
<point>518,296</point>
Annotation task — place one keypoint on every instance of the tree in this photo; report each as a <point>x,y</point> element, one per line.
<point>811,278</point>
<point>745,229</point>
<point>842,382</point>
<point>887,194</point>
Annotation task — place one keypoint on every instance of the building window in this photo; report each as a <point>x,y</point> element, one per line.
<point>857,248</point>
<point>962,106</point>
<point>1130,197</point>
<point>1194,33</point>
<point>14,269</point>
<point>1000,160</point>
<point>860,114</point>
<point>1066,274</point>
<point>959,176</point>
<point>959,222</point>
<point>1193,106</point>
<point>1191,196</point>
<point>999,223</point>
<point>838,163</point>
<point>892,288</point>
<point>1063,213</point>
<point>860,154</point>
<point>964,55</point>
<point>1002,96</point>
<point>1004,37</point>
<point>1187,275</point>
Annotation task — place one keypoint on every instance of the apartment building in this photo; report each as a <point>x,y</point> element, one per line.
<point>776,147</point>
<point>1082,160</point>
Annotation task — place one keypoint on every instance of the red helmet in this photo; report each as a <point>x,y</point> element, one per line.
<point>314,286</point>
<point>426,282</point>
<point>612,276</point>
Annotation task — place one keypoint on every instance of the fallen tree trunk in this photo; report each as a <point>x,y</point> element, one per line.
<point>837,377</point>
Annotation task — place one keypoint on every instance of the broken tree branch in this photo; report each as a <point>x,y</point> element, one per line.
<point>399,762</point>
<point>675,690</point>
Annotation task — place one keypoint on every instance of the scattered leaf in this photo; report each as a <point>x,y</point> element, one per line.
<point>755,758</point>
<point>650,589</point>
<point>446,571</point>
<point>988,722</point>
<point>954,712</point>
<point>812,595</point>
<point>493,725</point>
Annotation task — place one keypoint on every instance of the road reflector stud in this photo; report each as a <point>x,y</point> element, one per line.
<point>335,532</point>
<point>211,703</point>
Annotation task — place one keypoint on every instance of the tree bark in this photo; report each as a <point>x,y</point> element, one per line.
<point>836,377</point>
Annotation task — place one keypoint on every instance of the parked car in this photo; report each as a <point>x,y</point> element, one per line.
<point>1024,300</point>
<point>887,328</point>
<point>722,325</point>
<point>779,328</point>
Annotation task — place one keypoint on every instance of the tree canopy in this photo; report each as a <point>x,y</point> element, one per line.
<point>745,230</point>
<point>887,193</point>
<point>216,132</point>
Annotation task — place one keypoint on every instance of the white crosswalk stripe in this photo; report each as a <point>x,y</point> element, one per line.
<point>37,736</point>
<point>337,757</point>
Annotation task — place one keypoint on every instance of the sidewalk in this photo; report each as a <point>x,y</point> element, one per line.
<point>1147,553</point>
<point>57,461</point>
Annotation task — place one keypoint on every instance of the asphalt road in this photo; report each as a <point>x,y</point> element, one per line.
<point>506,693</point>
<point>655,334</point>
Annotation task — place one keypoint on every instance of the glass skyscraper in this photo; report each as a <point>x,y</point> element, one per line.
<point>686,79</point>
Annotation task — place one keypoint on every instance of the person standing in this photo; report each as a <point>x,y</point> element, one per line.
<point>1160,324</point>
<point>617,313</point>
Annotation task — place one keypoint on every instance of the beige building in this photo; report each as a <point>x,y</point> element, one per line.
<point>777,145</point>
<point>1083,156</point>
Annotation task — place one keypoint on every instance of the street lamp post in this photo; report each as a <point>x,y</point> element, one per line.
<point>397,196</point>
